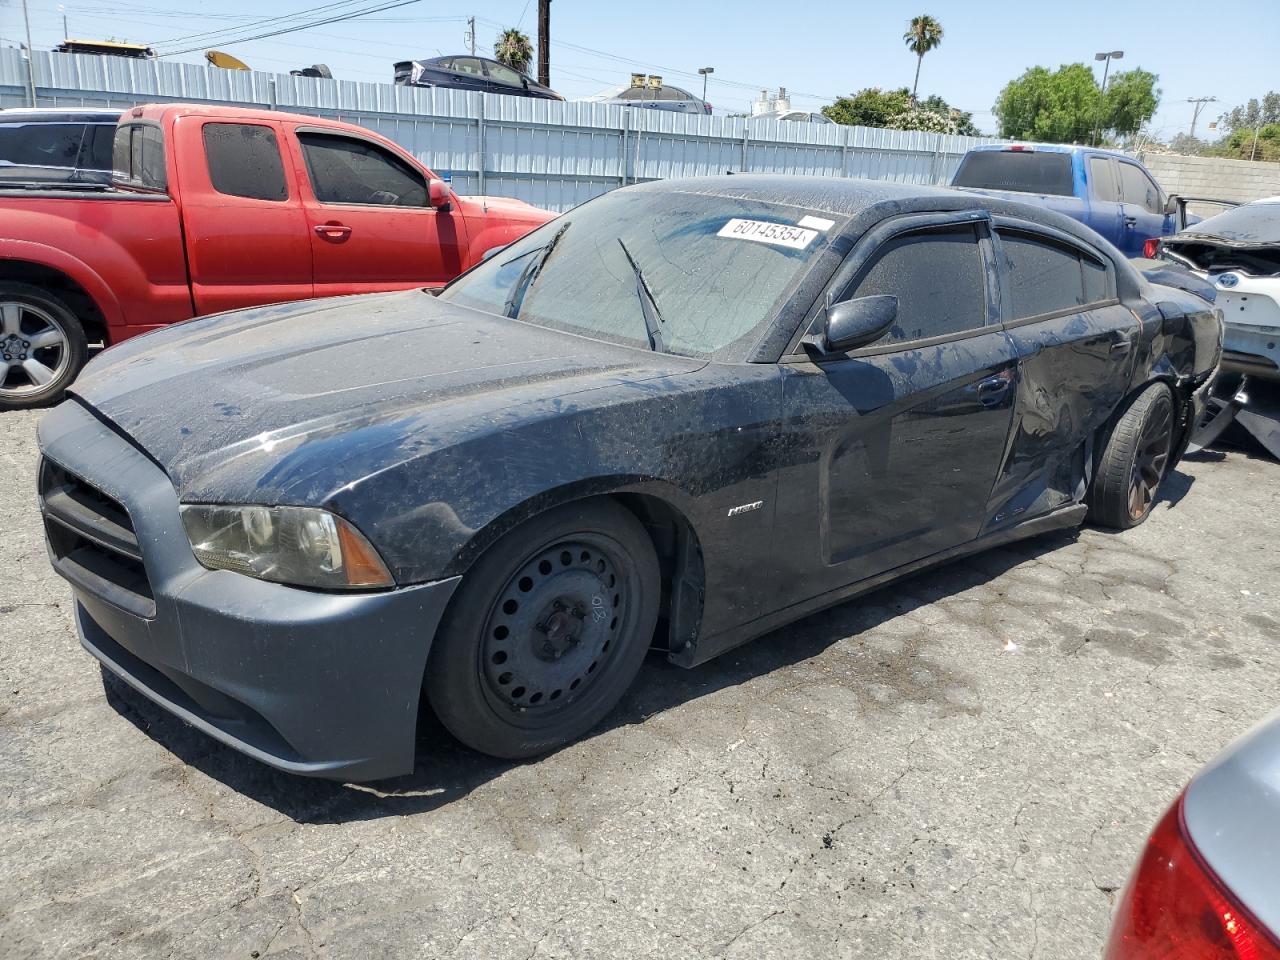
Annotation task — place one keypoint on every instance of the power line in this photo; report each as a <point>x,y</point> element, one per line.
<point>204,35</point>
<point>302,26</point>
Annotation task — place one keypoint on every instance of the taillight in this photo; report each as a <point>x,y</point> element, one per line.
<point>1175,908</point>
<point>1150,248</point>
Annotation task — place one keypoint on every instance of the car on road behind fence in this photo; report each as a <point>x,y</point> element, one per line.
<point>470,73</point>
<point>1108,191</point>
<point>682,414</point>
<point>214,208</point>
<point>1205,885</point>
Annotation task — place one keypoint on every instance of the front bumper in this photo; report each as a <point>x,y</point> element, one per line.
<point>320,684</point>
<point>1251,324</point>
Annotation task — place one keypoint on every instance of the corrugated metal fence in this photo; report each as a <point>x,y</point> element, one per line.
<point>552,154</point>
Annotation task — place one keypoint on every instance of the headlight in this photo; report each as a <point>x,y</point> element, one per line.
<point>301,546</point>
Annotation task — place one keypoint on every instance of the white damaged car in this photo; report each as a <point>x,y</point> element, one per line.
<point>1238,252</point>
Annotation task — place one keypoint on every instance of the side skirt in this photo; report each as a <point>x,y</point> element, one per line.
<point>700,651</point>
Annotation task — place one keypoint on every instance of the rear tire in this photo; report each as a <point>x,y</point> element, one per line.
<point>546,632</point>
<point>42,346</point>
<point>1133,461</point>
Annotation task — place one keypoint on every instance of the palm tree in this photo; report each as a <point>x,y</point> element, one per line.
<point>923,34</point>
<point>514,49</point>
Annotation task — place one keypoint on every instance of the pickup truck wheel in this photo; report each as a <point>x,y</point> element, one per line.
<point>546,631</point>
<point>42,346</point>
<point>1133,461</point>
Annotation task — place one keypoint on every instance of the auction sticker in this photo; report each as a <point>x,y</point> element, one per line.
<point>761,231</point>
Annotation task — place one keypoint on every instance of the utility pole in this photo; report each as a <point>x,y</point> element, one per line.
<point>1199,102</point>
<point>63,10</point>
<point>31,63</point>
<point>471,34</point>
<point>544,42</point>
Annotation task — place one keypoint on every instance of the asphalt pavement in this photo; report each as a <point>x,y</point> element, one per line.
<point>962,765</point>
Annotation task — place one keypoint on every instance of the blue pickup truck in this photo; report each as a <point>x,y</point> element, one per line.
<point>1107,191</point>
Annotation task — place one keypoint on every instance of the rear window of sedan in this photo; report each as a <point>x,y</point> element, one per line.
<point>719,269</point>
<point>1022,171</point>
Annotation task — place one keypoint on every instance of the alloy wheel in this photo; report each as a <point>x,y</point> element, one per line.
<point>34,348</point>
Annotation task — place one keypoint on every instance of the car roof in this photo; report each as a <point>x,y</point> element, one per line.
<point>61,115</point>
<point>867,202</point>
<point>1045,148</point>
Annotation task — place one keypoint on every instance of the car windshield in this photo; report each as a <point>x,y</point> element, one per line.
<point>709,272</point>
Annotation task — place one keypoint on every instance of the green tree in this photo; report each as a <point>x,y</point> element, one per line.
<point>1130,101</point>
<point>871,107</point>
<point>1260,142</point>
<point>1064,106</point>
<point>874,107</point>
<point>514,49</point>
<point>1252,114</point>
<point>923,34</point>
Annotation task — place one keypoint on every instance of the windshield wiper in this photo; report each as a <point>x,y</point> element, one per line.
<point>529,275</point>
<point>648,305</point>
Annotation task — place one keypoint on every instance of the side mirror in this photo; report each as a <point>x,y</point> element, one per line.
<point>1171,204</point>
<point>438,194</point>
<point>855,323</point>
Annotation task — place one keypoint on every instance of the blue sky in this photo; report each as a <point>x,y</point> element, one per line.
<point>818,49</point>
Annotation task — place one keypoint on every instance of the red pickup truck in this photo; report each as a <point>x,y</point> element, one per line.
<point>214,208</point>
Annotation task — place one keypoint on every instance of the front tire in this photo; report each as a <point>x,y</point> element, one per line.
<point>546,632</point>
<point>42,346</point>
<point>1133,461</point>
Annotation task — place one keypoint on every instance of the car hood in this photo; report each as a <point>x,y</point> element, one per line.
<point>291,402</point>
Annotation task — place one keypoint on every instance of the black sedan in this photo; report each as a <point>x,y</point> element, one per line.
<point>679,416</point>
<point>470,73</point>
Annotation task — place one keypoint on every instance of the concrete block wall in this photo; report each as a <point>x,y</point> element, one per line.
<point>1239,180</point>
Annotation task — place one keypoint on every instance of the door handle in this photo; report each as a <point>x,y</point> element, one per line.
<point>1130,221</point>
<point>333,231</point>
<point>991,391</point>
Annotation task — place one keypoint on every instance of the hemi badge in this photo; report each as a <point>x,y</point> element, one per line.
<point>745,508</point>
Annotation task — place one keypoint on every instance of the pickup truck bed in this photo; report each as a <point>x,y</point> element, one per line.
<point>217,208</point>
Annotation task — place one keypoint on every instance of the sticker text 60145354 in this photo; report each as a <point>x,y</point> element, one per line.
<point>761,231</point>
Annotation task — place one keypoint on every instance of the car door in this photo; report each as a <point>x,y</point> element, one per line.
<point>1106,213</point>
<point>1144,215</point>
<point>1076,345</point>
<point>893,449</point>
<point>372,227</point>
<point>246,234</point>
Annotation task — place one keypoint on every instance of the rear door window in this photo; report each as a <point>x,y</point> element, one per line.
<point>937,276</point>
<point>1137,188</point>
<point>138,156</point>
<point>244,161</point>
<point>501,74</point>
<point>1043,276</point>
<point>468,65</point>
<point>347,170</point>
<point>1102,180</point>
<point>1022,171</point>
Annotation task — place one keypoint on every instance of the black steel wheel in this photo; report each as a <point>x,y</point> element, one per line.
<point>546,631</point>
<point>1134,461</point>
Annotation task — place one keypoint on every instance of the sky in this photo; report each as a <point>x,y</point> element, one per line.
<point>817,49</point>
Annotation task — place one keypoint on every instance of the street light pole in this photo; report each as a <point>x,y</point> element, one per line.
<point>1108,57</point>
<point>704,71</point>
